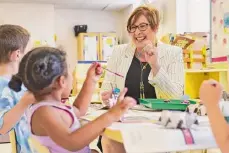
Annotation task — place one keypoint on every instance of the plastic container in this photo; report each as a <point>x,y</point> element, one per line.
<point>162,104</point>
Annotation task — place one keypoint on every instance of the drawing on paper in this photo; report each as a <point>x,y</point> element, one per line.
<point>226,22</point>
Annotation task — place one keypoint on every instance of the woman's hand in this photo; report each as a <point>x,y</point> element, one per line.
<point>105,96</point>
<point>151,56</point>
<point>94,72</point>
<point>211,93</point>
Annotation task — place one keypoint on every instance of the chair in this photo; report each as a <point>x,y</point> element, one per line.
<point>35,145</point>
<point>13,141</point>
<point>190,59</point>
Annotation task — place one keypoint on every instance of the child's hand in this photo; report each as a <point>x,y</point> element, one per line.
<point>122,106</point>
<point>210,92</point>
<point>28,98</point>
<point>94,72</point>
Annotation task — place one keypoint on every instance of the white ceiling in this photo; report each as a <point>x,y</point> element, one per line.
<point>110,5</point>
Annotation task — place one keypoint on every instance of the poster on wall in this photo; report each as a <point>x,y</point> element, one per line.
<point>226,22</point>
<point>108,46</point>
<point>90,48</point>
<point>220,30</point>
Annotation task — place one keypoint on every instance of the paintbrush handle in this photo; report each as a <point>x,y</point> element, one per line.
<point>113,72</point>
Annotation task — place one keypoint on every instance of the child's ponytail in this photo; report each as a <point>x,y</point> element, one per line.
<point>15,83</point>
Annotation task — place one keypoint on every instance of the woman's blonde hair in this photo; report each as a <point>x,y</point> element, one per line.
<point>151,14</point>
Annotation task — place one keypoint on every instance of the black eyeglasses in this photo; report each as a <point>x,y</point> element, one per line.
<point>141,27</point>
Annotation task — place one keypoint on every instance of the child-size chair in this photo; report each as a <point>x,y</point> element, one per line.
<point>13,141</point>
<point>34,144</point>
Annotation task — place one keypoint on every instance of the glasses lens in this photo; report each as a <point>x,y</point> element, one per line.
<point>143,26</point>
<point>132,29</point>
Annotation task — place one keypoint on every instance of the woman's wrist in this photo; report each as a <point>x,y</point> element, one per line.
<point>155,69</point>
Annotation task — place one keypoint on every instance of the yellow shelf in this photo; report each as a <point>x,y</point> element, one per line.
<point>194,78</point>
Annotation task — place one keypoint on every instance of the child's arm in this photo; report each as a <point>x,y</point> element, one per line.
<point>84,98</point>
<point>210,95</point>
<point>10,115</point>
<point>219,127</point>
<point>48,118</point>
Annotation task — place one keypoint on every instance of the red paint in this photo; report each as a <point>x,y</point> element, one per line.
<point>214,19</point>
<point>114,73</point>
<point>221,21</point>
<point>215,36</point>
<point>224,41</point>
<point>219,59</point>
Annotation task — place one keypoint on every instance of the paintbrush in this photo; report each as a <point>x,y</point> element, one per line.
<point>113,72</point>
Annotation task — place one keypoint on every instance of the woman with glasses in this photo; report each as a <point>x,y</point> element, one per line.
<point>149,69</point>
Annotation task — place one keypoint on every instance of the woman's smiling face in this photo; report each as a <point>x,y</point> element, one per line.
<point>141,31</point>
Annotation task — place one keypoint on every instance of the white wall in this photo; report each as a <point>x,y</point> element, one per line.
<point>182,16</point>
<point>37,18</point>
<point>169,17</point>
<point>97,21</point>
<point>193,16</point>
<point>199,15</point>
<point>125,15</point>
<point>43,21</point>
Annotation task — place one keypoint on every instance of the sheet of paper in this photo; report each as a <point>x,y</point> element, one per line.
<point>90,48</point>
<point>155,139</point>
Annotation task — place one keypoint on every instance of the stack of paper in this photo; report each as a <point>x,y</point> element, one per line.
<point>155,139</point>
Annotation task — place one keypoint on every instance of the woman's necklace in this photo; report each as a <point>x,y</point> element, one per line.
<point>138,55</point>
<point>142,87</point>
<point>143,67</point>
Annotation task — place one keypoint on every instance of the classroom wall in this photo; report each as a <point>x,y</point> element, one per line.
<point>182,16</point>
<point>193,16</point>
<point>168,24</point>
<point>97,21</point>
<point>125,15</point>
<point>37,18</point>
<point>199,15</point>
<point>44,21</point>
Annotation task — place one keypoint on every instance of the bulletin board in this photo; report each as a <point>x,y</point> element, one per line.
<point>220,30</point>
